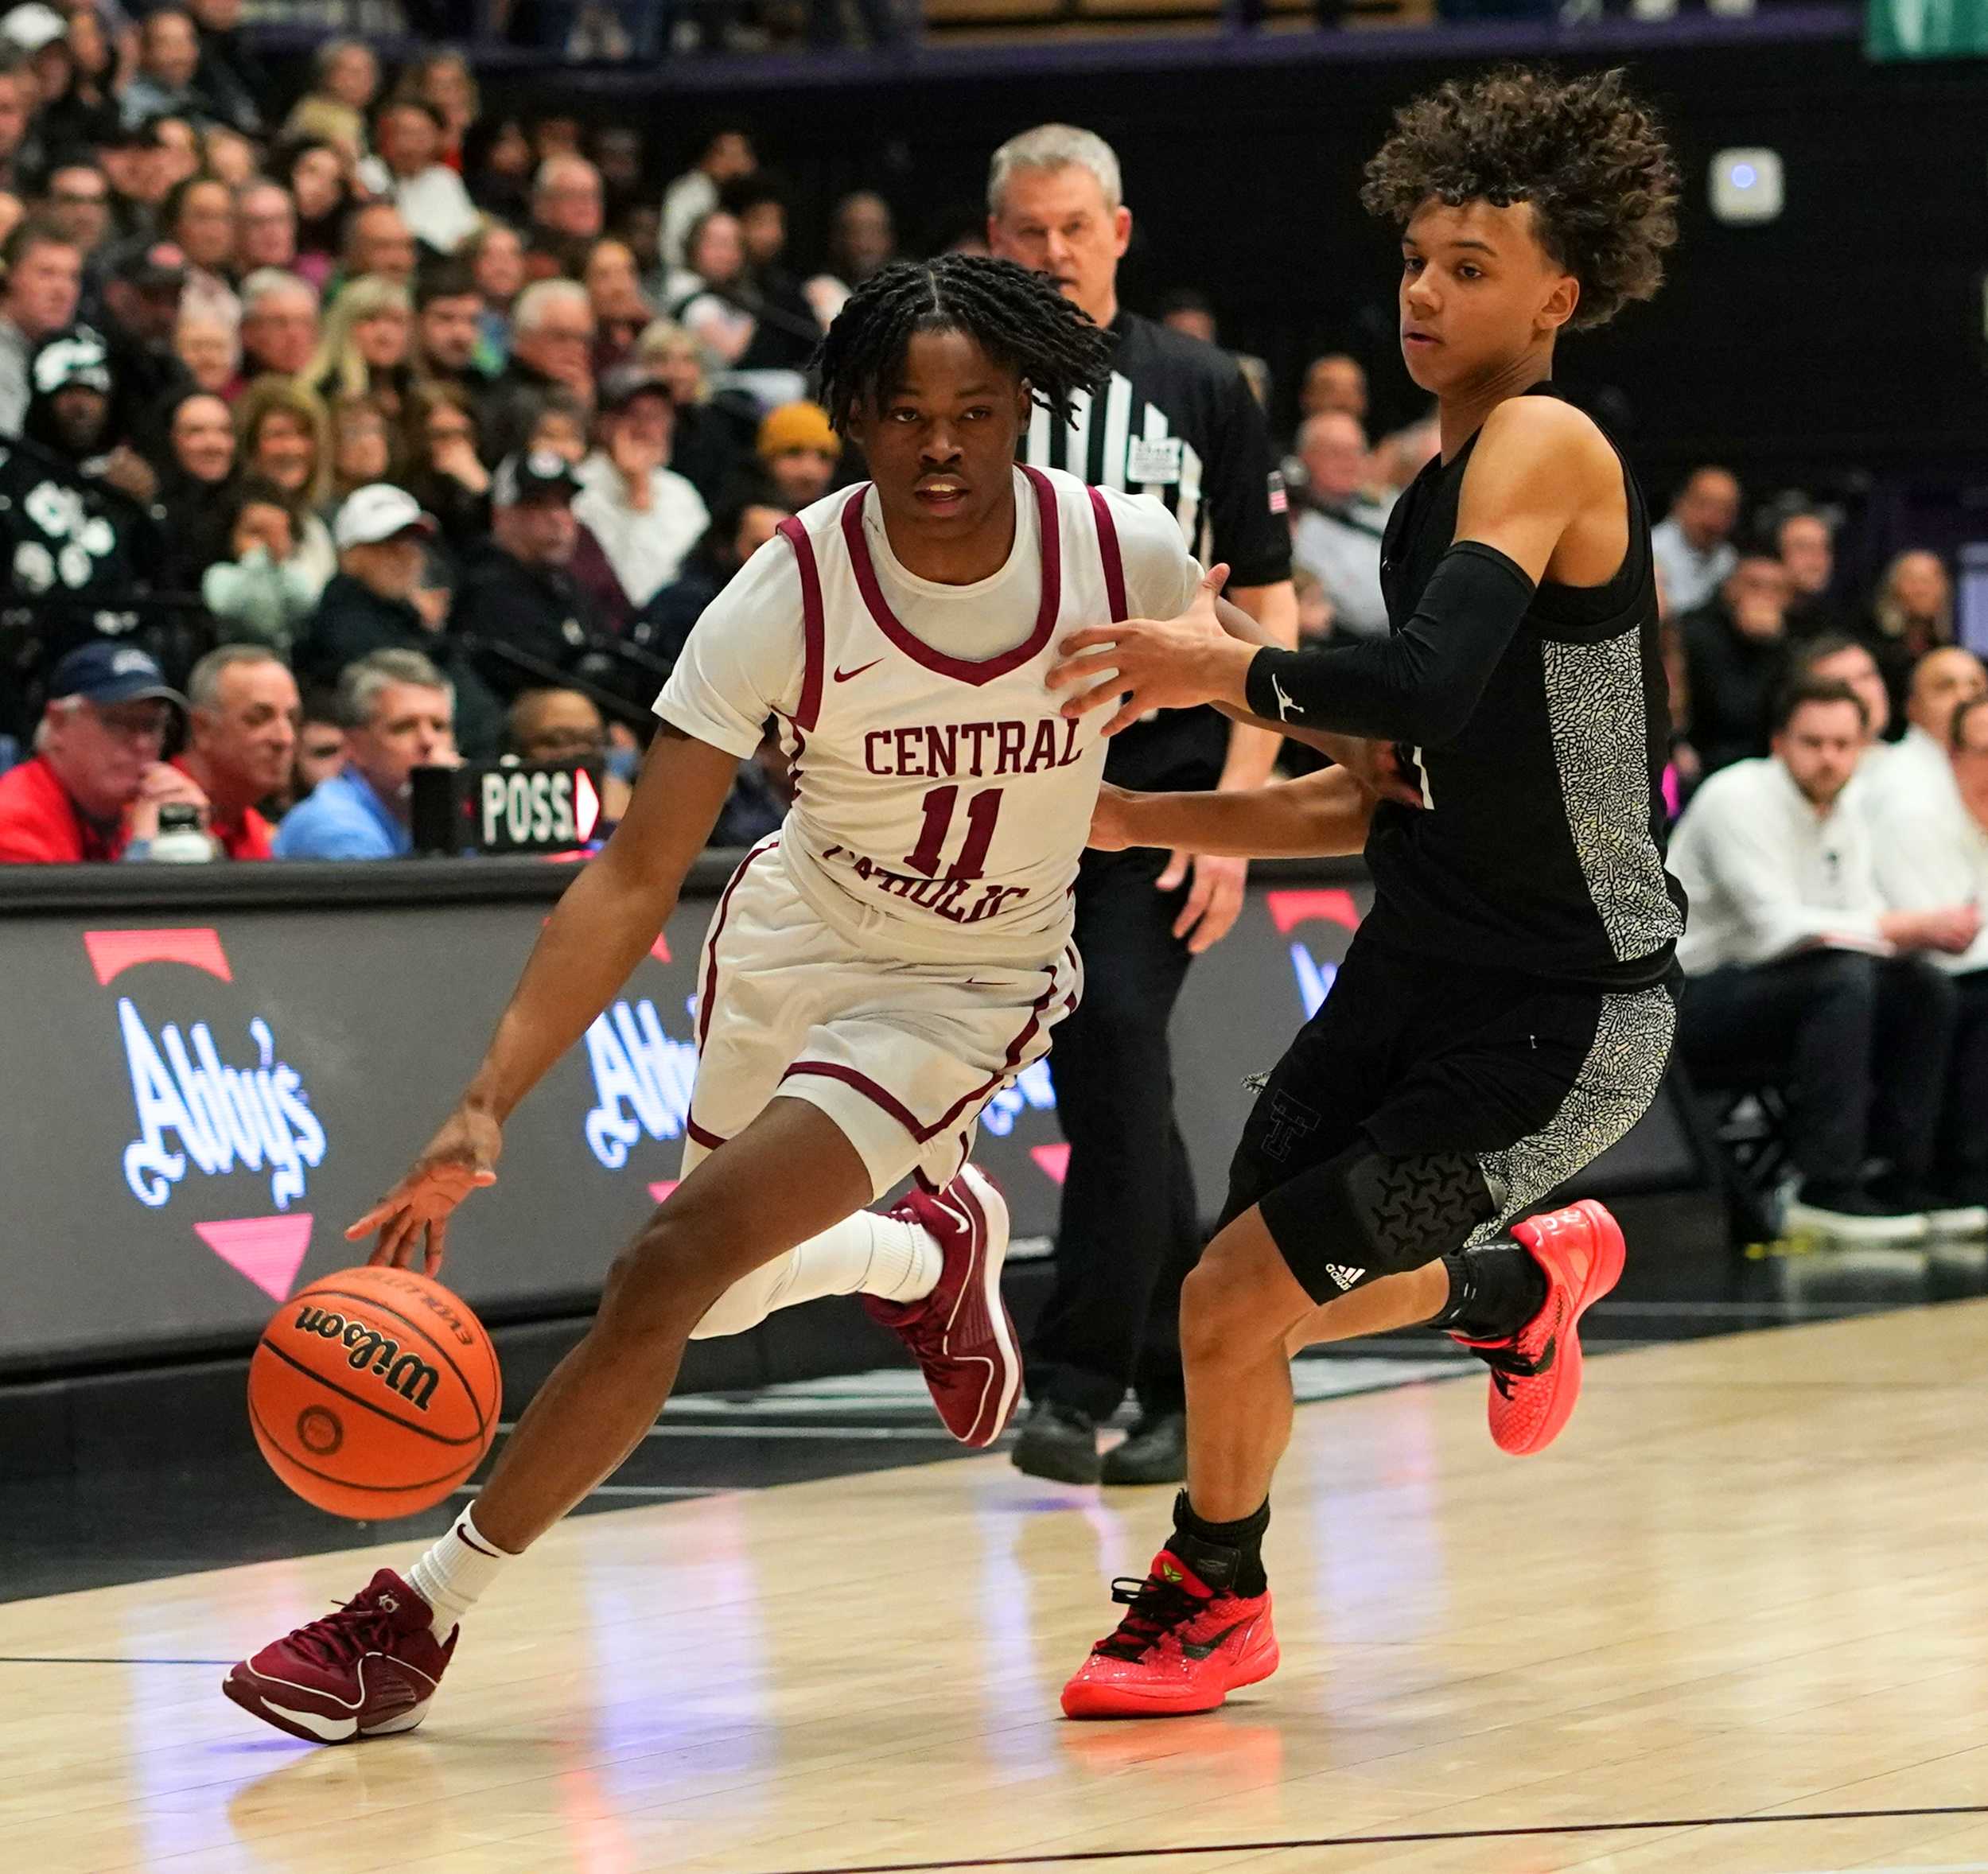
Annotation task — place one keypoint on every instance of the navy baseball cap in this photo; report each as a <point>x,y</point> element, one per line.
<point>105,672</point>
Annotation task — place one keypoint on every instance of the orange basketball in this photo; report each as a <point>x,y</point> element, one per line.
<point>374,1393</point>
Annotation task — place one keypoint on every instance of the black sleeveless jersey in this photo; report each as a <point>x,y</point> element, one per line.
<point>1539,844</point>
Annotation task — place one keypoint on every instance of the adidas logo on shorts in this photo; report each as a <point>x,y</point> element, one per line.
<point>1343,1276</point>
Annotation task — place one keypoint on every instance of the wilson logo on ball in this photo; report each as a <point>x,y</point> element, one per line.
<point>369,1350</point>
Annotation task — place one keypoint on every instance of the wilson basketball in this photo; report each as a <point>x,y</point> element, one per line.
<point>374,1393</point>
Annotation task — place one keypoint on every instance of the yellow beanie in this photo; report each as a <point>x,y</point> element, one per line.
<point>797,426</point>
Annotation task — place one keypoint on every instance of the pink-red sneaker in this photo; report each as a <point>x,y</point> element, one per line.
<point>1535,1375</point>
<point>1181,1647</point>
<point>960,1333</point>
<point>368,1671</point>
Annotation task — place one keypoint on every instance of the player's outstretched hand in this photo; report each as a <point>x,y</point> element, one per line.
<point>461,1157</point>
<point>1143,664</point>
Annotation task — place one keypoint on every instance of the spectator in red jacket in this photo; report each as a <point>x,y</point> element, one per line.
<point>94,789</point>
<point>242,734</point>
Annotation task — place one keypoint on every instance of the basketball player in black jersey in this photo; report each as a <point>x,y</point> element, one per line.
<point>1507,1009</point>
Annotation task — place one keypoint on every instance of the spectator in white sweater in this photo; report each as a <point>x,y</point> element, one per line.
<point>1929,834</point>
<point>1794,965</point>
<point>409,172</point>
<point>644,518</point>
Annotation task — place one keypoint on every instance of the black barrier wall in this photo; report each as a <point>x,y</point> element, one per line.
<point>205,1083</point>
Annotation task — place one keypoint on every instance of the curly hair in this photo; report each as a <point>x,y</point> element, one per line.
<point>1017,317</point>
<point>1591,159</point>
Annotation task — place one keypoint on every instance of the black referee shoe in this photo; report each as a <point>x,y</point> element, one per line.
<point>1058,1443</point>
<point>1154,1452</point>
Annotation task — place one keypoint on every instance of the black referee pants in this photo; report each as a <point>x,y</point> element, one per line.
<point>1130,1231</point>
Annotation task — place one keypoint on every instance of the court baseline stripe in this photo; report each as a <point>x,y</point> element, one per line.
<point>635,1490</point>
<point>70,1659</point>
<point>774,1434</point>
<point>1072,1857</point>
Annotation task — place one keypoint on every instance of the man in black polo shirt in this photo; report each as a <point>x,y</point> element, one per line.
<point>1177,422</point>
<point>519,604</point>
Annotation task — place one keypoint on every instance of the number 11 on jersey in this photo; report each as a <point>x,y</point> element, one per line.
<point>940,805</point>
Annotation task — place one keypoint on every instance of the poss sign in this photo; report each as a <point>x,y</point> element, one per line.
<point>487,806</point>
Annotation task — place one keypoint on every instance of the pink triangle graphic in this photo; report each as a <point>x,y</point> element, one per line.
<point>661,1190</point>
<point>1054,1160</point>
<point>268,1251</point>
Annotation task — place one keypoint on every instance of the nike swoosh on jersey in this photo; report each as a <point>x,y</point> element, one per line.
<point>843,676</point>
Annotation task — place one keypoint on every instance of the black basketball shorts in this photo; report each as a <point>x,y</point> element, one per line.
<point>1426,1105</point>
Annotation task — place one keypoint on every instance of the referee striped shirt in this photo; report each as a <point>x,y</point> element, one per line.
<point>1178,422</point>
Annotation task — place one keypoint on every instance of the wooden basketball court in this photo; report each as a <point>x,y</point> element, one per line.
<point>1736,1624</point>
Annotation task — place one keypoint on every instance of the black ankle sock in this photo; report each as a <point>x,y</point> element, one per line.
<point>1494,1290</point>
<point>1226,1556</point>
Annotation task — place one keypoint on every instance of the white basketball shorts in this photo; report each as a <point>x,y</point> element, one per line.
<point>902,1057</point>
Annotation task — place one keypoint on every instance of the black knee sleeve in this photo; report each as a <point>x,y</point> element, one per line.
<point>1364,1215</point>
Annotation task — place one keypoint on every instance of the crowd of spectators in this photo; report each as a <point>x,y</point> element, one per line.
<point>1831,756</point>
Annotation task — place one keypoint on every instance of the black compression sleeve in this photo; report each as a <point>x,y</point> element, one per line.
<point>1418,685</point>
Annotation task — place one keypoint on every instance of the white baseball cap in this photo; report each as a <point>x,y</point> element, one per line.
<point>378,512</point>
<point>31,27</point>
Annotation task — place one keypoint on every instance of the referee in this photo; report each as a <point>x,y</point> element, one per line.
<point>1179,424</point>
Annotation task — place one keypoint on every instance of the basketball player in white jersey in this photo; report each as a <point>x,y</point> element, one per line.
<point>875,971</point>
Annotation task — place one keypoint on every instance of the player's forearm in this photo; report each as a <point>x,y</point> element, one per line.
<point>1419,685</point>
<point>1338,748</point>
<point>1252,749</point>
<point>603,927</point>
<point>1322,815</point>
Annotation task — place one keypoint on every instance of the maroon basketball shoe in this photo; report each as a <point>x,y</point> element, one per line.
<point>960,1333</point>
<point>1535,1375</point>
<point>368,1671</point>
<point>1181,1647</point>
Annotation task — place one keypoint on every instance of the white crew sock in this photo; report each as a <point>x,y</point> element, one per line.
<point>455,1572</point>
<point>904,1260</point>
<point>864,1254</point>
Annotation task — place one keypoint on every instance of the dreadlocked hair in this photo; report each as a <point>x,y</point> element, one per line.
<point>1591,159</point>
<point>1017,317</point>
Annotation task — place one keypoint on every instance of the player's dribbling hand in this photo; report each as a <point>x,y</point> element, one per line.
<point>461,1157</point>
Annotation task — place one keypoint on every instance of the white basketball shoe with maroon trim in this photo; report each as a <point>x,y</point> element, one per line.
<point>368,1671</point>
<point>960,1333</point>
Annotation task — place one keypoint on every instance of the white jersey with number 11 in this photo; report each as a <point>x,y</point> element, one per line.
<point>941,799</point>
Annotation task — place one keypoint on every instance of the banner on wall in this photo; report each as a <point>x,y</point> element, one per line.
<point>198,1107</point>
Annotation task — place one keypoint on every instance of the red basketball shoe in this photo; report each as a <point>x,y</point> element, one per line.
<point>1535,1375</point>
<point>368,1671</point>
<point>960,1333</point>
<point>1181,1647</point>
